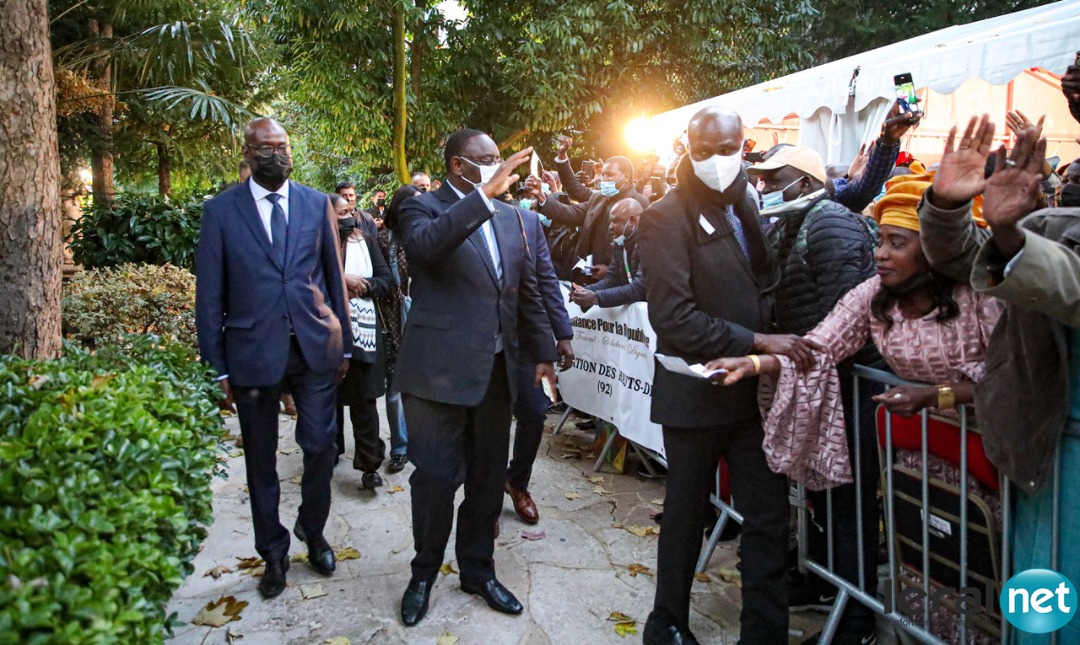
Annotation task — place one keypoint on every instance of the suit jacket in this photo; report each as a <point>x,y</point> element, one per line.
<point>705,299</point>
<point>548,283</point>
<point>593,219</point>
<point>617,288</point>
<point>245,300</point>
<point>460,306</point>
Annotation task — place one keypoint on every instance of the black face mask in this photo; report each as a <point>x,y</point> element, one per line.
<point>273,170</point>
<point>1070,196</point>
<point>380,202</point>
<point>346,225</point>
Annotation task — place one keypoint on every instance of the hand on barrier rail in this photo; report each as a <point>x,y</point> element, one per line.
<point>908,400</point>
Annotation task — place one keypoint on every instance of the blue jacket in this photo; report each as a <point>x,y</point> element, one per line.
<point>247,304</point>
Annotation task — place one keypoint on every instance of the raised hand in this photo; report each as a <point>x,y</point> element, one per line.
<point>535,188</point>
<point>898,124</point>
<point>962,172</point>
<point>858,166</point>
<point>1013,190</point>
<point>564,147</point>
<point>504,177</point>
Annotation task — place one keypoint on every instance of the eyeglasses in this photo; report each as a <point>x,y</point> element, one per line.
<point>484,161</point>
<point>269,150</point>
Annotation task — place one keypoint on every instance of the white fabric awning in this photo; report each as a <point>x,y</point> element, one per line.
<point>995,50</point>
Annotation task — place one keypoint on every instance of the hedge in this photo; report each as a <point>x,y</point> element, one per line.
<point>104,490</point>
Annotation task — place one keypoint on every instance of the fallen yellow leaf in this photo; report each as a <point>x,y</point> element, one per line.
<point>640,531</point>
<point>701,577</point>
<point>219,612</point>
<point>727,574</point>
<point>636,568</point>
<point>447,639</point>
<point>337,640</point>
<point>626,629</point>
<point>249,563</point>
<point>312,591</point>
<point>600,490</point>
<point>572,494</point>
<point>447,569</point>
<point>297,479</point>
<point>395,489</point>
<point>618,617</point>
<point>299,557</point>
<point>596,479</point>
<point>659,501</point>
<point>347,553</point>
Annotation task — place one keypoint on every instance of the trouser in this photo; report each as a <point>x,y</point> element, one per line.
<point>452,445</point>
<point>857,617</point>
<point>369,446</point>
<point>395,418</point>
<point>530,409</point>
<point>762,497</point>
<point>257,408</point>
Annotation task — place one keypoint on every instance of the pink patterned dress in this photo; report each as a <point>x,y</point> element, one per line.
<point>804,430</point>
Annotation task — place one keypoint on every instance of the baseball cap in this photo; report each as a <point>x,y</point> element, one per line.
<point>800,157</point>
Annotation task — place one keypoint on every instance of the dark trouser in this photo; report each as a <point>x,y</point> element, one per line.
<point>857,617</point>
<point>530,409</point>
<point>370,449</point>
<point>760,494</point>
<point>453,445</point>
<point>315,429</point>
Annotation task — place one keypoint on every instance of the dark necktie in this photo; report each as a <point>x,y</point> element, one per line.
<point>737,227</point>
<point>278,227</point>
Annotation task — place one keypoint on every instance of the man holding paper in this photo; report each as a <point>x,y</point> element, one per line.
<point>707,262</point>
<point>473,282</point>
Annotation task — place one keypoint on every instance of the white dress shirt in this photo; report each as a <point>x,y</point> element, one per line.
<point>490,242</point>
<point>266,207</point>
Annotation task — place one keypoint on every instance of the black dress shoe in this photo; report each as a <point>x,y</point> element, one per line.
<point>414,603</point>
<point>497,596</point>
<point>320,555</point>
<point>397,463</point>
<point>272,582</point>
<point>661,632</point>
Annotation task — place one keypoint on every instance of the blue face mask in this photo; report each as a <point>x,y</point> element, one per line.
<point>621,240</point>
<point>609,188</point>
<point>544,221</point>
<point>526,204</point>
<point>772,200</point>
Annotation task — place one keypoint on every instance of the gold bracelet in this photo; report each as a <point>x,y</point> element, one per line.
<point>946,398</point>
<point>756,361</point>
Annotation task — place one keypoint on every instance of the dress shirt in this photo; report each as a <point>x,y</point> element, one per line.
<point>490,242</point>
<point>266,207</point>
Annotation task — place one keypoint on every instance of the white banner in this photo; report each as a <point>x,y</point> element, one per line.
<point>613,369</point>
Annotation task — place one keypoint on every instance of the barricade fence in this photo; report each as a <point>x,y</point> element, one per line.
<point>945,516</point>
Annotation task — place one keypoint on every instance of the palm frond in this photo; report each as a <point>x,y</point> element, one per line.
<point>203,104</point>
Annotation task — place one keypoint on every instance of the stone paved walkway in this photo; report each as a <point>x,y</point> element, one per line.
<point>569,581</point>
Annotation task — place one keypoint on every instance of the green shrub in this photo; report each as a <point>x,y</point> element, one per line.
<point>100,306</point>
<point>104,490</point>
<point>137,228</point>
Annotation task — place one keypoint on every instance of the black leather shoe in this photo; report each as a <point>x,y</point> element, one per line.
<point>414,603</point>
<point>497,596</point>
<point>661,632</point>
<point>320,555</point>
<point>397,463</point>
<point>272,582</point>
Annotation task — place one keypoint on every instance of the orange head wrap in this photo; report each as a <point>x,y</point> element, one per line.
<point>899,207</point>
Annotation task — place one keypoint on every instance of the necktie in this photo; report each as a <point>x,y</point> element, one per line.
<point>278,227</point>
<point>493,247</point>
<point>737,227</point>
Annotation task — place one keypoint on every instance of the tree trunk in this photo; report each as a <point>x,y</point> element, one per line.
<point>164,170</point>
<point>30,246</point>
<point>101,161</point>
<point>401,165</point>
<point>418,51</point>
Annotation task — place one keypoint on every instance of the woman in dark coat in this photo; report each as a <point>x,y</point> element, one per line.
<point>367,277</point>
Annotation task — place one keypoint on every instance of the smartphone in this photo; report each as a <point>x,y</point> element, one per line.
<point>534,165</point>
<point>906,97</point>
<point>587,168</point>
<point>657,185</point>
<point>754,157</point>
<point>749,145</point>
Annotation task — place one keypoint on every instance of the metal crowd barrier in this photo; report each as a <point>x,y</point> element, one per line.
<point>931,524</point>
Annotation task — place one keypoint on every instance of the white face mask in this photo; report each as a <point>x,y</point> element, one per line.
<point>486,173</point>
<point>717,172</point>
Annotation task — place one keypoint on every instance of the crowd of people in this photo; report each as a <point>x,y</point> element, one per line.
<point>782,272</point>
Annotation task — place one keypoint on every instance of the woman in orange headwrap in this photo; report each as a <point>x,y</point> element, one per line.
<point>927,327</point>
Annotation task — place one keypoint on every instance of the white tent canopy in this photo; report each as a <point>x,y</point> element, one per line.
<point>995,50</point>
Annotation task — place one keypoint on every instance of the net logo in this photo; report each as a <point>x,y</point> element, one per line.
<point>1038,601</point>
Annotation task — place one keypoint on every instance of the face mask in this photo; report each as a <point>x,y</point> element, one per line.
<point>346,225</point>
<point>380,202</point>
<point>609,188</point>
<point>717,172</point>
<point>621,240</point>
<point>526,204</point>
<point>545,222</point>
<point>776,198</point>
<point>273,170</point>
<point>486,173</point>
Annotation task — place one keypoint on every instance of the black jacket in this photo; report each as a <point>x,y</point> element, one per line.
<point>625,281</point>
<point>822,252</point>
<point>705,298</point>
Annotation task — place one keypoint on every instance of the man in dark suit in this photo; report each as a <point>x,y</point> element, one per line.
<point>707,262</point>
<point>269,305</point>
<point>531,406</point>
<point>473,279</point>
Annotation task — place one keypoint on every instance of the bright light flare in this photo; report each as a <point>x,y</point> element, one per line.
<point>641,135</point>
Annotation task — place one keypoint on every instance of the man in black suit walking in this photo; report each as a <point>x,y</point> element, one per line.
<point>473,279</point>
<point>269,305</point>
<point>707,262</point>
